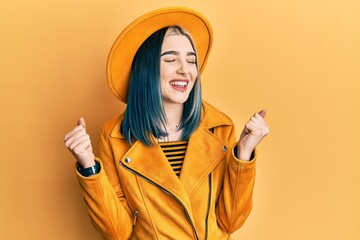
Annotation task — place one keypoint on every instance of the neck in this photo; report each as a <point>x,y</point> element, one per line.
<point>173,114</point>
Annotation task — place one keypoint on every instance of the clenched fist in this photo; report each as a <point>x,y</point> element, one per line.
<point>254,131</point>
<point>79,144</point>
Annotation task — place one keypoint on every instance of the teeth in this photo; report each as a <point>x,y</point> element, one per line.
<point>178,83</point>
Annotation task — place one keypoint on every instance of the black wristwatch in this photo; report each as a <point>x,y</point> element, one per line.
<point>86,172</point>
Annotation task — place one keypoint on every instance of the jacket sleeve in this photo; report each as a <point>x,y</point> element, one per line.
<point>104,198</point>
<point>235,200</point>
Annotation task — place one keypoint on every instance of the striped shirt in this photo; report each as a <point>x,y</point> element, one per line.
<point>175,153</point>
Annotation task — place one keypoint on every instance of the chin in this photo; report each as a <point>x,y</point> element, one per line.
<point>182,100</point>
<point>179,101</point>
<point>176,100</point>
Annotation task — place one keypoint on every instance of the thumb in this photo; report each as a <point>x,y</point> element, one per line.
<point>81,122</point>
<point>262,113</point>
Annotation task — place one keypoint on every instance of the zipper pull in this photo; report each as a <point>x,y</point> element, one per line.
<point>136,215</point>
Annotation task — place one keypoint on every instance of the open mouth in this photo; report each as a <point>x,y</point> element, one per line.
<point>179,85</point>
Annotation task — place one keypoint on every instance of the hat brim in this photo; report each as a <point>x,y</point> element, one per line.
<point>128,42</point>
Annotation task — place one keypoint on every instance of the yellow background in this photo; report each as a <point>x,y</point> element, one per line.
<point>298,59</point>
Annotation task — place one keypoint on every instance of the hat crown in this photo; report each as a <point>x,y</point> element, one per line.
<point>130,39</point>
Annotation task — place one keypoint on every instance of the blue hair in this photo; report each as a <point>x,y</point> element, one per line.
<point>144,116</point>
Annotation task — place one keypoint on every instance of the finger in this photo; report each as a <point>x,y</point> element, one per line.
<point>81,122</point>
<point>258,128</point>
<point>79,141</point>
<point>250,126</point>
<point>262,113</point>
<point>257,119</point>
<point>246,130</point>
<point>251,122</point>
<point>75,136</point>
<point>72,132</point>
<point>82,147</point>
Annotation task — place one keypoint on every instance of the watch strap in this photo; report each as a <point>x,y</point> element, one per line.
<point>86,172</point>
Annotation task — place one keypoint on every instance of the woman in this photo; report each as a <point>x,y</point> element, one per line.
<point>169,167</point>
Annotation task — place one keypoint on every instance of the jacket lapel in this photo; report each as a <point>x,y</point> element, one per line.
<point>204,152</point>
<point>151,164</point>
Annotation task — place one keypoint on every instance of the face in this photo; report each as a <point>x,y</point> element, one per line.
<point>178,70</point>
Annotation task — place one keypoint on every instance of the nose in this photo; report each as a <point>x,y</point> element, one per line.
<point>183,68</point>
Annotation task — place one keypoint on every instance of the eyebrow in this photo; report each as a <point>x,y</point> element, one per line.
<point>177,53</point>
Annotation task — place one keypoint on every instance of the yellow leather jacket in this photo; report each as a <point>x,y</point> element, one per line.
<point>137,195</point>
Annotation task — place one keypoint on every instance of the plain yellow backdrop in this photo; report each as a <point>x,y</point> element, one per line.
<point>298,59</point>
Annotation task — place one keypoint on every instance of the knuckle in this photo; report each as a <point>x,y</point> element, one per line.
<point>266,131</point>
<point>68,144</point>
<point>73,146</point>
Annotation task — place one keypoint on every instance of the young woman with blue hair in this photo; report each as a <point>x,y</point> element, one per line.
<point>169,167</point>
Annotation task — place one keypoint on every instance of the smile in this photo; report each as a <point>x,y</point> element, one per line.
<point>180,85</point>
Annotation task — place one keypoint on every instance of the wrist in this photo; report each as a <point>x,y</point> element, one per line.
<point>88,171</point>
<point>87,164</point>
<point>243,154</point>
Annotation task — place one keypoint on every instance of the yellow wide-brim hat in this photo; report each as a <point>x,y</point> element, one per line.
<point>130,39</point>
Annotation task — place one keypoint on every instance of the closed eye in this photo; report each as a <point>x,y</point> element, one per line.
<point>169,60</point>
<point>171,56</point>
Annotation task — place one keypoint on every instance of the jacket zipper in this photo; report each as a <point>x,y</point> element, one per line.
<point>136,215</point>
<point>167,192</point>
<point>209,201</point>
<point>208,210</point>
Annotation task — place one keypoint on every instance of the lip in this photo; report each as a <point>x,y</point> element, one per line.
<point>179,84</point>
